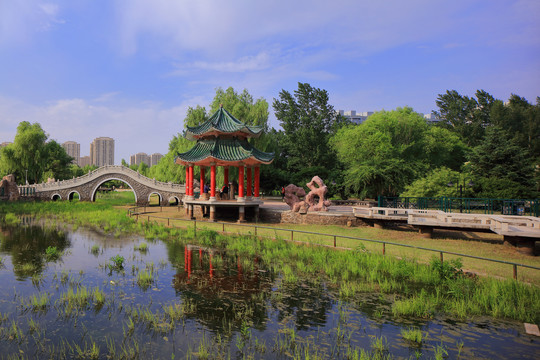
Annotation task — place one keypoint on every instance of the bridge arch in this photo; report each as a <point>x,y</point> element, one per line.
<point>104,180</point>
<point>71,193</point>
<point>174,200</point>
<point>87,185</point>
<point>158,194</point>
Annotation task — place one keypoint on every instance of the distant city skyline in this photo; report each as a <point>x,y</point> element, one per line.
<point>131,69</point>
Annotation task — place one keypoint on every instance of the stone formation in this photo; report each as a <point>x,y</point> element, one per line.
<point>293,195</point>
<point>9,187</point>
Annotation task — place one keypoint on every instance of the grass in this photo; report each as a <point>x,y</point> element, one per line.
<point>444,288</point>
<point>144,279</point>
<point>413,335</point>
<point>95,249</point>
<point>478,244</point>
<point>142,247</point>
<point>52,253</point>
<point>38,302</point>
<point>117,262</point>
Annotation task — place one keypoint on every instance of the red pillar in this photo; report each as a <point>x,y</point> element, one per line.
<point>226,175</point>
<point>257,174</point>
<point>191,192</point>
<point>202,179</point>
<point>211,267</point>
<point>187,180</point>
<point>213,181</point>
<point>189,256</point>
<point>248,187</point>
<point>241,182</point>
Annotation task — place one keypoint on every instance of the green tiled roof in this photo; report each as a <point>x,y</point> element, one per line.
<point>223,152</point>
<point>222,122</point>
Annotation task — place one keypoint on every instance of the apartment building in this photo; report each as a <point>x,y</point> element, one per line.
<point>73,149</point>
<point>102,151</point>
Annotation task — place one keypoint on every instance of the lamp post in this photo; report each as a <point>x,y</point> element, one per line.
<point>26,177</point>
<point>460,187</point>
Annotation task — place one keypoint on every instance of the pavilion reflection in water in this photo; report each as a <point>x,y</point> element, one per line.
<point>245,289</point>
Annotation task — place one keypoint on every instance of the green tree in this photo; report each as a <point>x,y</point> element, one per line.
<point>308,122</point>
<point>391,149</point>
<point>501,157</point>
<point>521,119</point>
<point>435,184</point>
<point>142,169</point>
<point>58,162</point>
<point>466,116</point>
<point>242,106</point>
<point>31,153</point>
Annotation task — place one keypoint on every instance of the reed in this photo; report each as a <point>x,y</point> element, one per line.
<point>413,335</point>
<point>52,253</point>
<point>11,219</point>
<point>95,249</point>
<point>39,302</point>
<point>142,247</point>
<point>144,279</point>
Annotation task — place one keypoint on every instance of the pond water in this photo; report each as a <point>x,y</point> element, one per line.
<point>171,300</point>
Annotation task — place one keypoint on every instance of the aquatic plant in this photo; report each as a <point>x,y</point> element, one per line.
<point>11,219</point>
<point>39,302</point>
<point>117,262</point>
<point>144,279</point>
<point>413,335</point>
<point>52,253</point>
<point>142,247</point>
<point>95,249</point>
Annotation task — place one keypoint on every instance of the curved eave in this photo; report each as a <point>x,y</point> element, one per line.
<point>222,122</point>
<point>223,152</point>
<point>242,133</point>
<point>209,161</point>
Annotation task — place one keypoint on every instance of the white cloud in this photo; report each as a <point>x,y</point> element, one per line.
<point>146,127</point>
<point>21,19</point>
<point>218,27</point>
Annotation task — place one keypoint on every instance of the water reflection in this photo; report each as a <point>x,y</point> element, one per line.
<point>239,300</point>
<point>27,244</point>
<point>226,291</point>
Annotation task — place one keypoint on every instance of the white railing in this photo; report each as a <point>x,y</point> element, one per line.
<point>527,225</point>
<point>109,170</point>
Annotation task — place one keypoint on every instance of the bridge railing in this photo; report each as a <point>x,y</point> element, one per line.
<point>107,169</point>
<point>523,207</point>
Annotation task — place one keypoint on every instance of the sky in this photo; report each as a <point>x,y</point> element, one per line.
<point>129,69</point>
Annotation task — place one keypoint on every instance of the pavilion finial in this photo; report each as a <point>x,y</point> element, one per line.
<point>221,106</point>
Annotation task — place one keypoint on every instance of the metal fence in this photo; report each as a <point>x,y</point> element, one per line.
<point>135,212</point>
<point>526,207</point>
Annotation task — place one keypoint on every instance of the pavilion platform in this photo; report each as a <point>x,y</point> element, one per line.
<point>211,207</point>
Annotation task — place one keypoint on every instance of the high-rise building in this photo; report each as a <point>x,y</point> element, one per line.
<point>139,158</point>
<point>359,117</point>
<point>73,149</point>
<point>84,161</point>
<point>5,143</point>
<point>154,158</point>
<point>102,151</point>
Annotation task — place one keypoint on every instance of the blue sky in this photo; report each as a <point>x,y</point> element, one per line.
<point>129,69</point>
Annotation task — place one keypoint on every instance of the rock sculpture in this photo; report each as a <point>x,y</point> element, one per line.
<point>293,195</point>
<point>320,192</point>
<point>8,187</point>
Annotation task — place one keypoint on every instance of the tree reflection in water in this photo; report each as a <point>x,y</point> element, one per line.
<point>27,244</point>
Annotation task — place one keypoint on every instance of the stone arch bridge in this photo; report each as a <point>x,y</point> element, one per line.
<point>87,186</point>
